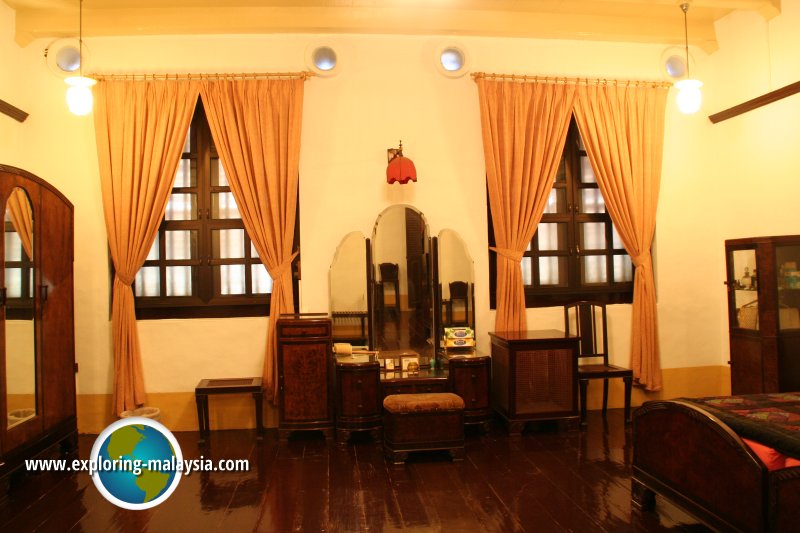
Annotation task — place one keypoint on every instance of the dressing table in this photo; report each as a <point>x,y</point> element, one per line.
<point>427,268</point>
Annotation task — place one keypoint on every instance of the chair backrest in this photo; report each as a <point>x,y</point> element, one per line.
<point>588,320</point>
<point>458,290</point>
<point>389,271</point>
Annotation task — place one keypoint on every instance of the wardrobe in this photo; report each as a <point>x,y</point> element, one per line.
<point>37,333</point>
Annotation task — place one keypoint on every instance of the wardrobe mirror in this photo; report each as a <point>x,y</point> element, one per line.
<point>20,349</point>
<point>348,291</point>
<point>402,287</point>
<point>456,281</point>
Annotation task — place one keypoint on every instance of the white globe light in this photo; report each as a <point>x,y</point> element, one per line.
<point>79,95</point>
<point>689,96</point>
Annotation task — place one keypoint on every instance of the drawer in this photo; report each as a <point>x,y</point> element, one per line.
<point>299,330</point>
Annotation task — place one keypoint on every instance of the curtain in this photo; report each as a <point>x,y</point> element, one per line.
<point>256,129</point>
<point>524,128</point>
<point>140,128</point>
<point>19,211</point>
<point>622,127</point>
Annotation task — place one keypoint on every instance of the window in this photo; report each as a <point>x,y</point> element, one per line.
<point>18,275</point>
<point>202,263</point>
<point>576,253</point>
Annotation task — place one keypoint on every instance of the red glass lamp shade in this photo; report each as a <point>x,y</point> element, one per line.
<point>401,170</point>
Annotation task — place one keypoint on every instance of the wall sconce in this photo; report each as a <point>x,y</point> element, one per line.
<point>401,169</point>
<point>689,95</point>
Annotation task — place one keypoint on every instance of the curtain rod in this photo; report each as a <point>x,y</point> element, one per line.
<point>567,80</point>
<point>305,74</point>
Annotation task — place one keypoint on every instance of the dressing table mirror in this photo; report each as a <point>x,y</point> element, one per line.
<point>349,297</point>
<point>456,282</point>
<point>401,282</point>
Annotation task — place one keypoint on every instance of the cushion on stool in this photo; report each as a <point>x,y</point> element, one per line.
<point>423,403</point>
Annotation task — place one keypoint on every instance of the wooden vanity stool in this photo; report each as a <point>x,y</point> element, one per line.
<point>417,422</point>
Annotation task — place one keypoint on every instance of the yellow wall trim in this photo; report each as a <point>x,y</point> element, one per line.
<point>179,410</point>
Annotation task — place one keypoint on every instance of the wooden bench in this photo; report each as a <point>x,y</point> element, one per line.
<point>418,422</point>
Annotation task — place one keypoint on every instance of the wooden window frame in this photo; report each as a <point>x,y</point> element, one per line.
<point>19,308</point>
<point>206,301</point>
<point>572,289</point>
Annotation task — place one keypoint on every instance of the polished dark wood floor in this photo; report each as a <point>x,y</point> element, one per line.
<point>549,479</point>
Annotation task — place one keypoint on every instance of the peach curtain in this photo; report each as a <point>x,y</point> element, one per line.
<point>256,128</point>
<point>140,128</point>
<point>524,126</point>
<point>19,211</point>
<point>622,127</point>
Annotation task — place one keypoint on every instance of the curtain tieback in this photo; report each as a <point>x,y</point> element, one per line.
<point>642,259</point>
<point>125,280</point>
<point>279,270</point>
<point>508,253</point>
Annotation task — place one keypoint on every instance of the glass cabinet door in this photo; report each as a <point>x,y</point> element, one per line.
<point>743,288</point>
<point>787,267</point>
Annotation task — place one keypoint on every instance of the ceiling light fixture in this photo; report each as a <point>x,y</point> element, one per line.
<point>79,95</point>
<point>689,95</point>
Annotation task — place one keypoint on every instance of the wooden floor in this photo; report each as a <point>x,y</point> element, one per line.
<point>549,479</point>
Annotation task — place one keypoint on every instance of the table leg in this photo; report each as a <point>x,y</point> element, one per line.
<point>202,416</point>
<point>258,397</point>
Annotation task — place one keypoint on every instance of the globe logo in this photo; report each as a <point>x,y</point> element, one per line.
<point>136,462</point>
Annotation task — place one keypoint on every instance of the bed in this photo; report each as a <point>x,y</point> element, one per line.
<point>693,452</point>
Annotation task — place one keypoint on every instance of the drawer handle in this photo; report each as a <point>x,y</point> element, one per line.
<point>360,406</point>
<point>358,382</point>
<point>474,400</point>
<point>474,376</point>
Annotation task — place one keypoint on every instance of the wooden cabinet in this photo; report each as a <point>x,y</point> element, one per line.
<point>470,377</point>
<point>763,282</point>
<point>37,339</point>
<point>534,376</point>
<point>358,400</point>
<point>305,374</point>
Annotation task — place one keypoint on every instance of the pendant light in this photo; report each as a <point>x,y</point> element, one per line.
<point>689,95</point>
<point>79,95</point>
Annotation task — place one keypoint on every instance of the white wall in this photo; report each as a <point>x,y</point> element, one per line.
<point>10,88</point>
<point>734,179</point>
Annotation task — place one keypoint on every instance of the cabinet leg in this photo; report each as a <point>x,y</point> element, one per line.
<point>641,497</point>
<point>457,454</point>
<point>397,458</point>
<point>342,436</point>
<point>515,428</point>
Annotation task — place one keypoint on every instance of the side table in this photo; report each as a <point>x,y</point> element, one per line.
<point>207,387</point>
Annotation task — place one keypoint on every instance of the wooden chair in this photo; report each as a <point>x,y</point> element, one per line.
<point>390,276</point>
<point>458,293</point>
<point>588,320</point>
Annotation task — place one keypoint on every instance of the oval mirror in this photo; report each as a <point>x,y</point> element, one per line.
<point>402,297</point>
<point>19,333</point>
<point>456,281</point>
<point>348,291</point>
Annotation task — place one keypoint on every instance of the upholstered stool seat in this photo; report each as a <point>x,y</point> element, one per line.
<point>416,422</point>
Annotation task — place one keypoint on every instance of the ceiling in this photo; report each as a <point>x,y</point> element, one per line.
<point>646,21</point>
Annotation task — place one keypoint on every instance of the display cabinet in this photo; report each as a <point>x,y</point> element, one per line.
<point>37,335</point>
<point>305,374</point>
<point>763,282</point>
